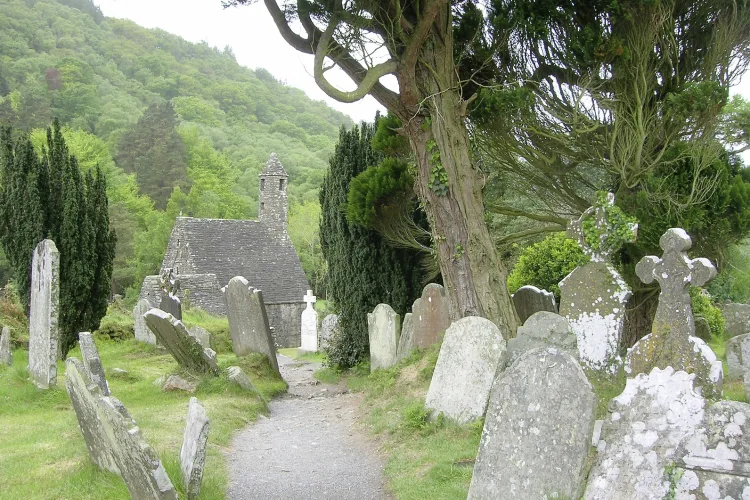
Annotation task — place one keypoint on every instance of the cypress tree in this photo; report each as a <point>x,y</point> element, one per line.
<point>363,270</point>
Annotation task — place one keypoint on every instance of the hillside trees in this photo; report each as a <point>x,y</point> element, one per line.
<point>49,197</point>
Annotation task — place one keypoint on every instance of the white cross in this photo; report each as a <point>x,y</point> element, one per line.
<point>310,299</point>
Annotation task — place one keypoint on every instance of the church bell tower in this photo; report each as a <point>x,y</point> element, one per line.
<point>273,204</point>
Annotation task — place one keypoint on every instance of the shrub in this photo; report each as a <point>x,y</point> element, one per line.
<point>704,306</point>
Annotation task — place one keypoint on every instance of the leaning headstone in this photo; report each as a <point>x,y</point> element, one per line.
<point>201,335</point>
<point>237,376</point>
<point>248,321</point>
<point>738,356</point>
<point>43,318</point>
<point>328,329</point>
<point>430,316</point>
<point>529,300</point>
<point>543,329</point>
<point>537,431</point>
<point>309,325</point>
<point>384,328</point>
<point>193,451</point>
<point>702,329</point>
<point>185,349</point>
<point>406,341</point>
<point>736,318</point>
<point>91,361</point>
<point>138,463</point>
<point>672,341</point>
<point>593,296</point>
<point>6,356</point>
<point>142,332</point>
<point>83,394</point>
<point>472,350</point>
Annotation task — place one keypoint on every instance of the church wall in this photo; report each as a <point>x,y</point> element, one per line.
<point>287,322</point>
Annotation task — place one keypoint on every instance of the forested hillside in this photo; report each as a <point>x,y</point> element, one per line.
<point>156,112</point>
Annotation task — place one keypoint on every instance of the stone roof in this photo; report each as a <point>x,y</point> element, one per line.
<point>274,167</point>
<point>229,248</point>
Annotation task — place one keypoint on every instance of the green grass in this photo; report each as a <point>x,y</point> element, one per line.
<point>44,454</point>
<point>294,353</point>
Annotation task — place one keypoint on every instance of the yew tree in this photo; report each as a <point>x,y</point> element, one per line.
<point>415,42</point>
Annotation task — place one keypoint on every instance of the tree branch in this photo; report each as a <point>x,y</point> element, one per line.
<point>513,212</point>
<point>520,235</point>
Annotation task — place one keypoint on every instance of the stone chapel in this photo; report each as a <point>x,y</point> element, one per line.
<point>204,254</point>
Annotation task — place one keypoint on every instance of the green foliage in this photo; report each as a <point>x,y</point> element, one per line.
<point>704,306</point>
<point>363,270</point>
<point>438,176</point>
<point>620,227</point>
<point>49,197</point>
<point>733,282</point>
<point>303,229</point>
<point>372,192</point>
<point>387,140</point>
<point>546,263</point>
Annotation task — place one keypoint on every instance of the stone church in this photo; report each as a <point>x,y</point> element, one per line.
<point>204,254</point>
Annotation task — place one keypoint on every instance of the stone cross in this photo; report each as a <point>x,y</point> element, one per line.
<point>603,228</point>
<point>310,299</point>
<point>309,325</point>
<point>675,272</point>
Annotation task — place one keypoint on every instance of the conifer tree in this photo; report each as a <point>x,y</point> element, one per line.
<point>48,197</point>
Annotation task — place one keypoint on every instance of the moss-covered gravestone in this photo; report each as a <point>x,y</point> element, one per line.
<point>184,348</point>
<point>672,341</point>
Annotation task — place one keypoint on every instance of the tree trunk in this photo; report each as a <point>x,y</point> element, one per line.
<point>474,276</point>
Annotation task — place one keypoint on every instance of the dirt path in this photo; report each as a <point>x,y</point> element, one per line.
<point>310,448</point>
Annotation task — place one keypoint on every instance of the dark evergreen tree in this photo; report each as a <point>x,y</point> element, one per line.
<point>363,270</point>
<point>155,152</point>
<point>48,198</point>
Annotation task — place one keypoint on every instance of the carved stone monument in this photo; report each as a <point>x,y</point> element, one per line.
<point>430,316</point>
<point>43,318</point>
<point>529,300</point>
<point>384,329</point>
<point>142,332</point>
<point>309,331</point>
<point>91,361</point>
<point>6,356</point>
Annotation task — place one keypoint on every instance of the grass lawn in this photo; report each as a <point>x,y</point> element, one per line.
<point>44,454</point>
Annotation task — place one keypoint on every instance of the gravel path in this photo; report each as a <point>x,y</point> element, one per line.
<point>310,448</point>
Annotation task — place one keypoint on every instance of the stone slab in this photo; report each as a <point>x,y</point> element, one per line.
<point>530,299</point>
<point>6,356</point>
<point>92,362</point>
<point>736,318</point>
<point>43,318</point>
<point>702,328</point>
<point>543,329</point>
<point>406,340</point>
<point>473,349</point>
<point>384,329</point>
<point>237,376</point>
<point>309,329</point>
<point>185,349</point>
<point>738,356</point>
<point>328,329</point>
<point>537,431</point>
<point>430,316</point>
<point>171,303</point>
<point>201,335</point>
<point>193,450</point>
<point>142,331</point>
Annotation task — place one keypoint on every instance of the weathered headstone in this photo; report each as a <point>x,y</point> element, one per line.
<point>138,463</point>
<point>543,329</point>
<point>384,328</point>
<point>738,356</point>
<point>430,316</point>
<point>702,329</point>
<point>736,318</point>
<point>309,326</point>
<point>672,341</point>
<point>537,431</point>
<point>43,318</point>
<point>248,321</point>
<point>193,451</point>
<point>406,341</point>
<point>171,304</point>
<point>6,356</point>
<point>201,335</point>
<point>91,361</point>
<point>328,329</point>
<point>237,376</point>
<point>83,394</point>
<point>177,383</point>
<point>185,349</point>
<point>529,300</point>
<point>142,332</point>
<point>593,296</point>
<point>472,350</point>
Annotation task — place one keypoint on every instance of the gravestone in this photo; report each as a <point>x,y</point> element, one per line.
<point>738,356</point>
<point>309,332</point>
<point>384,329</point>
<point>593,296</point>
<point>406,341</point>
<point>672,341</point>
<point>529,300</point>
<point>142,332</point>
<point>193,451</point>
<point>328,329</point>
<point>473,349</point>
<point>83,394</point>
<point>201,335</point>
<point>702,328</point>
<point>248,321</point>
<point>237,376</point>
<point>430,316</point>
<point>6,356</point>
<point>91,361</point>
<point>736,318</point>
<point>543,329</point>
<point>43,316</point>
<point>186,350</point>
<point>171,304</point>
<point>537,431</point>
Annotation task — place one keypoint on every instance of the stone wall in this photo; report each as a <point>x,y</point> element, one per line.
<point>286,320</point>
<point>202,290</point>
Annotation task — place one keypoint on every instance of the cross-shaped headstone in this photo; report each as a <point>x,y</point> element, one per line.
<point>607,243</point>
<point>310,299</point>
<point>309,324</point>
<point>675,272</point>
